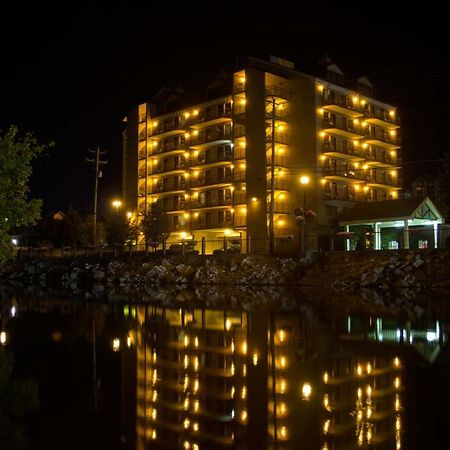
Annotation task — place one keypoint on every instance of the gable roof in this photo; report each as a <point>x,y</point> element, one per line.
<point>391,210</point>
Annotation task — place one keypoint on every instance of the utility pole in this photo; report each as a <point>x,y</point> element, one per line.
<point>272,185</point>
<point>98,174</point>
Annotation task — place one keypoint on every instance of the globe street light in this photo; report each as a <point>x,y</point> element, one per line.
<point>304,181</point>
<point>117,204</point>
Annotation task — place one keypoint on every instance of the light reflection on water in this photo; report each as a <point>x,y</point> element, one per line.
<point>226,377</point>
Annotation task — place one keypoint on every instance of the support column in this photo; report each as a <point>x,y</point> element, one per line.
<point>405,235</point>
<point>435,234</point>
<point>377,228</point>
<point>347,241</point>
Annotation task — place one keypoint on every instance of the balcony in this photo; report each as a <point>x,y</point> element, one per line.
<point>171,147</point>
<point>381,118</point>
<point>167,128</point>
<point>176,206</point>
<point>203,224</point>
<point>280,138</point>
<point>158,188</point>
<point>170,167</point>
<point>342,105</point>
<point>382,181</point>
<point>344,196</point>
<point>343,175</point>
<point>382,139</point>
<point>341,150</point>
<point>211,159</point>
<point>208,118</point>
<point>342,128</point>
<point>383,159</point>
<point>278,92</point>
<point>211,181</point>
<point>215,137</point>
<point>217,203</point>
<point>279,208</point>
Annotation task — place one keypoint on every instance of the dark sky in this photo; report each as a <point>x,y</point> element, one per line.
<point>71,74</point>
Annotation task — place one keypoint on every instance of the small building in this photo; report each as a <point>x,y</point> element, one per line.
<point>393,224</point>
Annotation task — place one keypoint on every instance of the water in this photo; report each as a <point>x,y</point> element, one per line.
<point>171,375</point>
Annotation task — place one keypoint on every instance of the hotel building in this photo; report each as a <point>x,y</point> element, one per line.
<point>231,165</point>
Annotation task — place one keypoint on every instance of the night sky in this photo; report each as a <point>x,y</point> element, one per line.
<point>71,74</point>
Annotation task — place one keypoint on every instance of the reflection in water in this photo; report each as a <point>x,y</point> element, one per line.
<point>200,378</point>
<point>215,379</point>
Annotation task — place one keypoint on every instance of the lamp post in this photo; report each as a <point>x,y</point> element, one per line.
<point>117,204</point>
<point>304,181</point>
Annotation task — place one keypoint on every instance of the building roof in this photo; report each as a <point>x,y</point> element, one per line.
<point>392,210</point>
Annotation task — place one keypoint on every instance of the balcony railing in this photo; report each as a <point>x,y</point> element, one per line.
<point>279,207</point>
<point>382,137</point>
<point>382,115</point>
<point>156,188</point>
<point>277,91</point>
<point>159,168</point>
<point>340,147</point>
<point>165,127</point>
<point>171,145</point>
<point>205,181</point>
<point>347,126</point>
<point>346,196</point>
<point>279,161</point>
<point>204,224</point>
<point>342,101</point>
<point>343,172</point>
<point>211,158</point>
<point>212,203</point>
<point>280,138</point>
<point>205,138</point>
<point>206,116</point>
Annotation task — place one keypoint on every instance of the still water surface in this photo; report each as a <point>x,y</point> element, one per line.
<point>170,375</point>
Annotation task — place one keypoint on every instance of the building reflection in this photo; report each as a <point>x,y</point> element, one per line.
<point>200,379</point>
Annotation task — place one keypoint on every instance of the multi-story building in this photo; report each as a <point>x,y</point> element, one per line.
<point>231,166</point>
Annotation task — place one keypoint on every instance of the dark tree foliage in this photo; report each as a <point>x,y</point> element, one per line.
<point>155,225</point>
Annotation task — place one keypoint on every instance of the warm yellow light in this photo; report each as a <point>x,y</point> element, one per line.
<point>322,134</point>
<point>326,426</point>
<point>195,173</point>
<point>195,426</point>
<point>186,445</point>
<point>323,181</point>
<point>196,384</point>
<point>397,402</point>
<point>195,447</point>
<point>282,335</point>
<point>129,214</point>
<point>3,338</point>
<point>397,382</point>
<point>129,341</point>
<point>244,415</point>
<point>186,215</point>
<point>243,101</point>
<point>115,344</point>
<point>154,414</point>
<point>320,87</point>
<point>320,111</point>
<point>363,102</point>
<point>323,157</point>
<point>280,150</point>
<point>392,113</point>
<point>196,214</point>
<point>186,423</point>
<point>364,124</point>
<point>187,115</point>
<point>228,324</point>
<point>392,132</point>
<point>242,165</point>
<point>196,339</point>
<point>325,377</point>
<point>244,348</point>
<point>255,359</point>
<point>393,153</point>
<point>153,434</point>
<point>369,368</point>
<point>154,356</point>
<point>369,391</point>
<point>366,188</point>
<point>183,235</point>
<point>306,391</point>
<point>283,432</point>
<point>155,123</point>
<point>254,199</point>
<point>356,121</point>
<point>283,386</point>
<point>186,361</point>
<point>355,99</point>
<point>242,79</point>
<point>186,155</point>
<point>186,403</point>
<point>393,173</point>
<point>187,135</point>
<point>396,362</point>
<point>244,393</point>
<point>155,143</point>
<point>227,232</point>
<point>365,145</point>
<point>283,362</point>
<point>281,222</point>
<point>117,204</point>
<point>244,370</point>
<point>326,402</point>
<point>357,187</point>
<point>304,179</point>
<point>355,143</point>
<point>365,166</point>
<point>196,405</point>
<point>244,209</point>
<point>280,127</point>
<point>359,392</point>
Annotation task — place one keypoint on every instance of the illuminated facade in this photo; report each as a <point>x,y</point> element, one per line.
<point>210,165</point>
<point>214,379</point>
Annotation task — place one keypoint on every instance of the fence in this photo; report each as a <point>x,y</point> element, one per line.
<point>420,238</point>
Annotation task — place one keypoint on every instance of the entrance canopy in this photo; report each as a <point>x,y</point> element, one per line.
<point>402,214</point>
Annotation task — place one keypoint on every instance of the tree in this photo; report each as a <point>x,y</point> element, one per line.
<point>119,230</point>
<point>443,186</point>
<point>16,155</point>
<point>155,226</point>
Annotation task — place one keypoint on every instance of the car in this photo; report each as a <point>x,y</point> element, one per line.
<point>232,246</point>
<point>177,248</point>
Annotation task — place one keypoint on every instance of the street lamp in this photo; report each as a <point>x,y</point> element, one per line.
<point>304,181</point>
<point>117,204</point>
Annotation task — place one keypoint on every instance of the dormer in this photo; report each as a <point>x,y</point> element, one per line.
<point>335,75</point>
